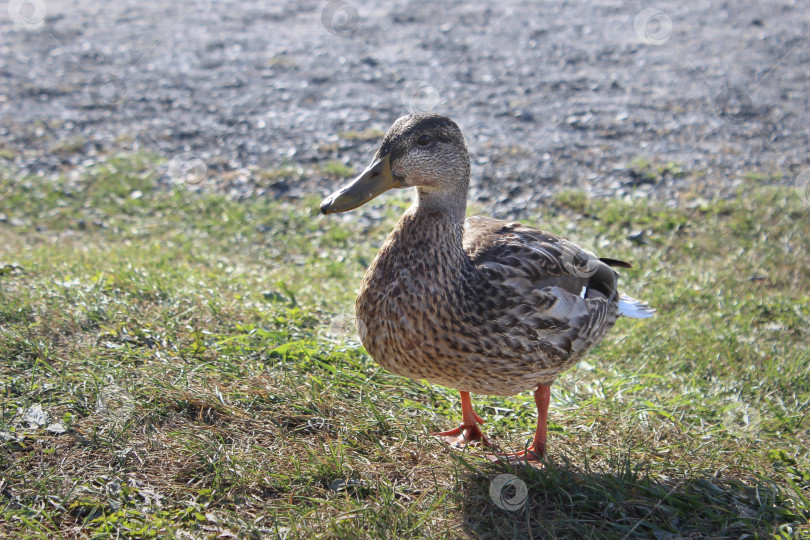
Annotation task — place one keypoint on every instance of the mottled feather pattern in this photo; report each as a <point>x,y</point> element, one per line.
<point>498,316</point>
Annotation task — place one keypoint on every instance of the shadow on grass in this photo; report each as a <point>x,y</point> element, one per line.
<point>563,500</point>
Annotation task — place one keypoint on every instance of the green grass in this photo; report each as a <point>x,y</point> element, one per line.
<point>643,170</point>
<point>773,176</point>
<point>69,146</point>
<point>200,355</point>
<point>283,172</point>
<point>337,168</point>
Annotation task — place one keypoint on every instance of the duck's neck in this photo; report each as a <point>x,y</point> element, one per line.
<point>450,205</point>
<point>426,245</point>
<point>432,230</point>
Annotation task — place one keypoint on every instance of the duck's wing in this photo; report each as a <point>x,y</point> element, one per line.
<point>541,291</point>
<point>511,250</point>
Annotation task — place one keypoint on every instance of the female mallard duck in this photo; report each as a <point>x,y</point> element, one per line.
<point>481,305</point>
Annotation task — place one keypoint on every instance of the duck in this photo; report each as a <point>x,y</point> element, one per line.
<point>477,304</point>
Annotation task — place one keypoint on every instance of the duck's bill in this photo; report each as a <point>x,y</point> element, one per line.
<point>376,179</point>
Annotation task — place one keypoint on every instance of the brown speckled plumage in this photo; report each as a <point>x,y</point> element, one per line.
<point>481,305</point>
<point>493,312</point>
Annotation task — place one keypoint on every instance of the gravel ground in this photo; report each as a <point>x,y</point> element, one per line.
<point>550,95</point>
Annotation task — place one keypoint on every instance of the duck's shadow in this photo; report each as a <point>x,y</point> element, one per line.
<point>562,500</point>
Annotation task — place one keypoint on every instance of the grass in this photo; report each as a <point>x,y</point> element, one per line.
<point>642,170</point>
<point>369,134</point>
<point>176,363</point>
<point>337,169</point>
<point>285,171</point>
<point>69,146</point>
<point>773,176</point>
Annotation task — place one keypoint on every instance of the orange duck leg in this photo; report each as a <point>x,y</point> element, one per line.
<point>537,451</point>
<point>468,432</point>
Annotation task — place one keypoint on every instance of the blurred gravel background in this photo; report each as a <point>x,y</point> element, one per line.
<point>549,94</point>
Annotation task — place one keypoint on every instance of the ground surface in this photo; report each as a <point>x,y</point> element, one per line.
<point>178,356</point>
<point>547,93</point>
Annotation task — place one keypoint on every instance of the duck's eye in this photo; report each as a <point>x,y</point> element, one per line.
<point>424,140</point>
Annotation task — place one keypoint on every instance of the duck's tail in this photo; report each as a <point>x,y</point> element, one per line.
<point>636,309</point>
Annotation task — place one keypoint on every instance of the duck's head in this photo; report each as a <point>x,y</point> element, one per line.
<point>426,151</point>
